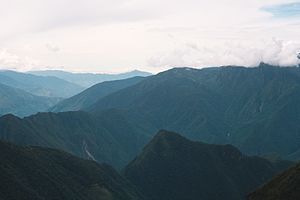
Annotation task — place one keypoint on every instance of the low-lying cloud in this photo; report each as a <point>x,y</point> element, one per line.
<point>10,61</point>
<point>273,51</point>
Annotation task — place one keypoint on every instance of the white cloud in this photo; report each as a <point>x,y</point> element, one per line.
<point>52,47</point>
<point>9,61</point>
<point>239,53</point>
<point>119,35</point>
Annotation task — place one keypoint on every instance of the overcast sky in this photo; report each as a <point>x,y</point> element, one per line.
<point>152,35</point>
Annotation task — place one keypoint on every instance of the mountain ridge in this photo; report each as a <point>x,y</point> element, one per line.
<point>89,79</point>
<point>91,95</point>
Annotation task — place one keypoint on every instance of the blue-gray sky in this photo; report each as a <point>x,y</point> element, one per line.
<point>153,35</point>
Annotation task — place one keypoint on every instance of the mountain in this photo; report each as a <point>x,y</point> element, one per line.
<point>38,85</point>
<point>91,95</point>
<point>284,186</point>
<point>34,173</point>
<point>22,103</point>
<point>173,168</point>
<point>107,137</point>
<point>246,107</point>
<point>88,79</point>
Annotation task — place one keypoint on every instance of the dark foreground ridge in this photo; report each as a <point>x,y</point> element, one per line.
<point>34,173</point>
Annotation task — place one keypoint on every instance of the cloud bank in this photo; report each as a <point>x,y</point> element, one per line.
<point>120,35</point>
<point>273,51</point>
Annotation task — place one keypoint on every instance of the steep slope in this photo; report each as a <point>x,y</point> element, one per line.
<point>285,186</point>
<point>38,85</point>
<point>34,173</point>
<point>21,103</point>
<point>89,79</point>
<point>91,95</point>
<point>108,137</point>
<point>246,107</point>
<point>174,168</point>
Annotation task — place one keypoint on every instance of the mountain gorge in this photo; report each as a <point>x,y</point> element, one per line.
<point>172,167</point>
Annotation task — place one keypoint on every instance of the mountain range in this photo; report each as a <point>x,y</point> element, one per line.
<point>174,168</point>
<point>39,86</point>
<point>246,107</point>
<point>35,173</point>
<point>89,79</point>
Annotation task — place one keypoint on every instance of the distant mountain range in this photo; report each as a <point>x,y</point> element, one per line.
<point>34,173</point>
<point>89,79</point>
<point>40,86</point>
<point>21,103</point>
<point>282,187</point>
<point>24,94</point>
<point>174,168</point>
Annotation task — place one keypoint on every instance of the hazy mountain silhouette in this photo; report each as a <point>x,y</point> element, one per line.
<point>38,85</point>
<point>88,79</point>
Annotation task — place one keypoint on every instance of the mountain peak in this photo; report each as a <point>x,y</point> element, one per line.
<point>167,135</point>
<point>165,141</point>
<point>174,168</point>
